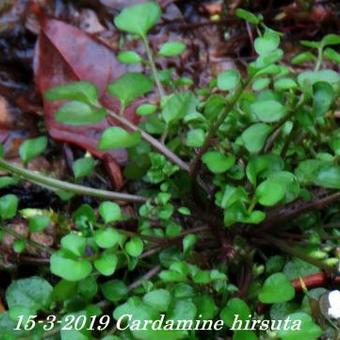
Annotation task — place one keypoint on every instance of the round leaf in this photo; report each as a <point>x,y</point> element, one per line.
<point>106,264</point>
<point>255,136</point>
<point>129,87</point>
<point>277,289</point>
<point>69,267</point>
<point>110,212</point>
<point>308,329</point>
<point>116,138</point>
<point>32,148</point>
<point>32,293</point>
<point>158,299</point>
<point>172,49</point>
<point>134,247</point>
<point>217,162</point>
<point>79,113</point>
<point>270,192</point>
<point>138,19</point>
<point>268,111</point>
<point>129,57</point>
<point>228,80</point>
<point>107,238</point>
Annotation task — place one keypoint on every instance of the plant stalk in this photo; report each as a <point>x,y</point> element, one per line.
<point>66,186</point>
<point>213,129</point>
<point>153,68</point>
<point>160,147</point>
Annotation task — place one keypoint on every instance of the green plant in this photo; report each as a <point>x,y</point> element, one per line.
<point>224,172</point>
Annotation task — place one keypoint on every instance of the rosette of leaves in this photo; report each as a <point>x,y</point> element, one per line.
<point>221,170</point>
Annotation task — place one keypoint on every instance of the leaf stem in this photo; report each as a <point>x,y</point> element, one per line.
<point>319,59</point>
<point>153,68</point>
<point>214,127</point>
<point>66,186</point>
<point>160,147</point>
<point>297,253</point>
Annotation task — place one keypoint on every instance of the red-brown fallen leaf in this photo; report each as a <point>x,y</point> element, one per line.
<point>64,53</point>
<point>2,308</point>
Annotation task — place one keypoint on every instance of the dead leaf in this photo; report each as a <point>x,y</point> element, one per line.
<point>2,308</point>
<point>64,53</point>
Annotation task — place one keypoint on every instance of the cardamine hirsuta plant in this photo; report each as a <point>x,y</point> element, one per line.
<point>234,188</point>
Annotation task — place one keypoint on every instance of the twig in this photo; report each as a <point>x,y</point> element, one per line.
<point>66,186</point>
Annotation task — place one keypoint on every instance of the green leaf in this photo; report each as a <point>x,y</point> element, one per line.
<point>248,16</point>
<point>82,91</point>
<point>270,192</point>
<point>206,306</point>
<point>114,290</point>
<point>182,310</point>
<point>260,84</point>
<point>6,181</point>
<point>327,176</point>
<point>129,57</point>
<point>268,111</point>
<point>172,49</point>
<point>138,19</point>
<point>38,223</point>
<point>116,138</point>
<point>276,289</point>
<point>146,109</point>
<point>228,80</point>
<point>330,39</point>
<point>8,206</point>
<point>195,138</point>
<point>322,98</point>
<point>134,247</point>
<point>74,243</point>
<point>33,293</point>
<point>110,212</point>
<point>289,182</point>
<point>178,106</point>
<point>233,307</point>
<point>218,162</point>
<point>284,84</point>
<point>158,299</point>
<point>19,246</point>
<point>188,243</point>
<point>332,55</point>
<point>307,330</point>
<point>309,78</point>
<point>32,148</point>
<point>106,264</point>
<point>311,44</point>
<point>303,57</point>
<point>263,166</point>
<point>79,113</point>
<point>83,167</point>
<point>108,237</point>
<point>137,309</point>
<point>298,268</point>
<point>69,267</point>
<point>129,87</point>
<point>269,42</point>
<point>255,136</point>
